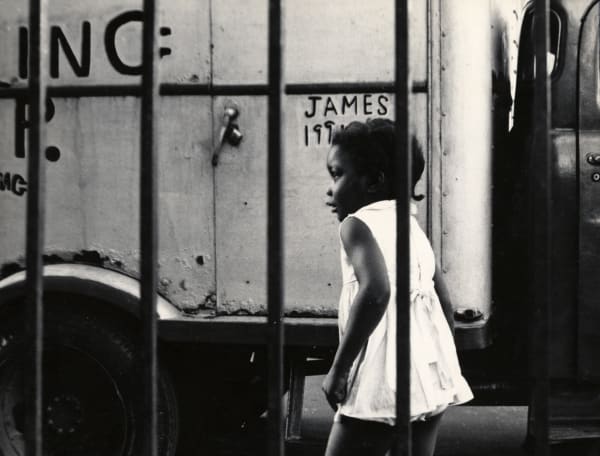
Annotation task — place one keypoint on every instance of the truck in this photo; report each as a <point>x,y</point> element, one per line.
<point>469,59</point>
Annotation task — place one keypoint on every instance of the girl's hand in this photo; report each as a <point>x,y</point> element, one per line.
<point>335,387</point>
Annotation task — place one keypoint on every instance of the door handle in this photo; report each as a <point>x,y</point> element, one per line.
<point>593,159</point>
<point>230,132</point>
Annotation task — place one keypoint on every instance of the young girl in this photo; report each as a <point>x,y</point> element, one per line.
<point>361,384</point>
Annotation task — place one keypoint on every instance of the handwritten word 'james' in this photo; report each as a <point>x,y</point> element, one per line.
<point>13,183</point>
<point>365,104</point>
<point>81,66</point>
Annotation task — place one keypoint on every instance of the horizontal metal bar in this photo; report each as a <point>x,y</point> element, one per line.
<point>214,90</point>
<point>135,90</point>
<point>350,87</point>
<point>339,88</point>
<point>173,89</point>
<point>13,92</point>
<point>124,90</point>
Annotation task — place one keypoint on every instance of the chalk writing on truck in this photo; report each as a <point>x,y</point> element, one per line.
<point>321,109</point>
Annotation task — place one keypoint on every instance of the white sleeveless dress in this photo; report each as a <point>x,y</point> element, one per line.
<point>436,379</point>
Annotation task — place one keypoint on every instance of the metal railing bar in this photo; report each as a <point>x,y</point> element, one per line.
<point>349,88</point>
<point>214,90</point>
<point>34,331</point>
<point>542,228</point>
<point>403,194</point>
<point>149,230</point>
<point>175,89</point>
<point>275,262</point>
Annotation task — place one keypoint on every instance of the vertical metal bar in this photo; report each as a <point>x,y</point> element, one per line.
<point>403,194</point>
<point>275,236</point>
<point>149,229</point>
<point>35,227</point>
<point>542,228</point>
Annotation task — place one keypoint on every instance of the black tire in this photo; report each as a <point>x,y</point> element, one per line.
<point>91,385</point>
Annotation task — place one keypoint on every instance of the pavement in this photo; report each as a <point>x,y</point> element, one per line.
<point>465,431</point>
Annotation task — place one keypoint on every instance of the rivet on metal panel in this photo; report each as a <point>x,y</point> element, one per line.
<point>443,114</point>
<point>443,67</point>
<point>444,193</point>
<point>445,152</point>
<point>445,232</point>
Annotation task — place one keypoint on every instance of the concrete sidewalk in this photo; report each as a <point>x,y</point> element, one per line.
<point>465,431</point>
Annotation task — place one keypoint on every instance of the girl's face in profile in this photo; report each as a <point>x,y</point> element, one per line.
<point>347,191</point>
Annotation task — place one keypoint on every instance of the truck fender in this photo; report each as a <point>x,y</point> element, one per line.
<point>106,285</point>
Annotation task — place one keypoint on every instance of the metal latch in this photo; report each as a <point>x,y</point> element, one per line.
<point>593,159</point>
<point>230,132</point>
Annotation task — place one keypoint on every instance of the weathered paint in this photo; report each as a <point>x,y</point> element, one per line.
<point>311,231</point>
<point>213,220</point>
<point>240,210</point>
<point>311,240</point>
<point>471,50</point>
<point>92,281</point>
<point>186,38</point>
<point>93,188</point>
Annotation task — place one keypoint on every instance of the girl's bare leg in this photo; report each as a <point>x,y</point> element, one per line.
<point>424,435</point>
<point>352,437</point>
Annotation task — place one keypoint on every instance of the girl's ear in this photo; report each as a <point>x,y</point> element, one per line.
<point>377,182</point>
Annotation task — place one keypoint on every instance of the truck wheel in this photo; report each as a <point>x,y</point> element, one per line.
<point>90,384</point>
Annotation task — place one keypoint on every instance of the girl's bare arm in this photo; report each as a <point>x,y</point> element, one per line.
<point>442,292</point>
<point>368,306</point>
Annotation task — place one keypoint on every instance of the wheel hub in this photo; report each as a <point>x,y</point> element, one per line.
<point>64,414</point>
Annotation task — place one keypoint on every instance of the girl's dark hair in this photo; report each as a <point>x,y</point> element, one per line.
<point>372,145</point>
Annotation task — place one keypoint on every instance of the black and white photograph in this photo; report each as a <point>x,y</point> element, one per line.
<point>299,228</point>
